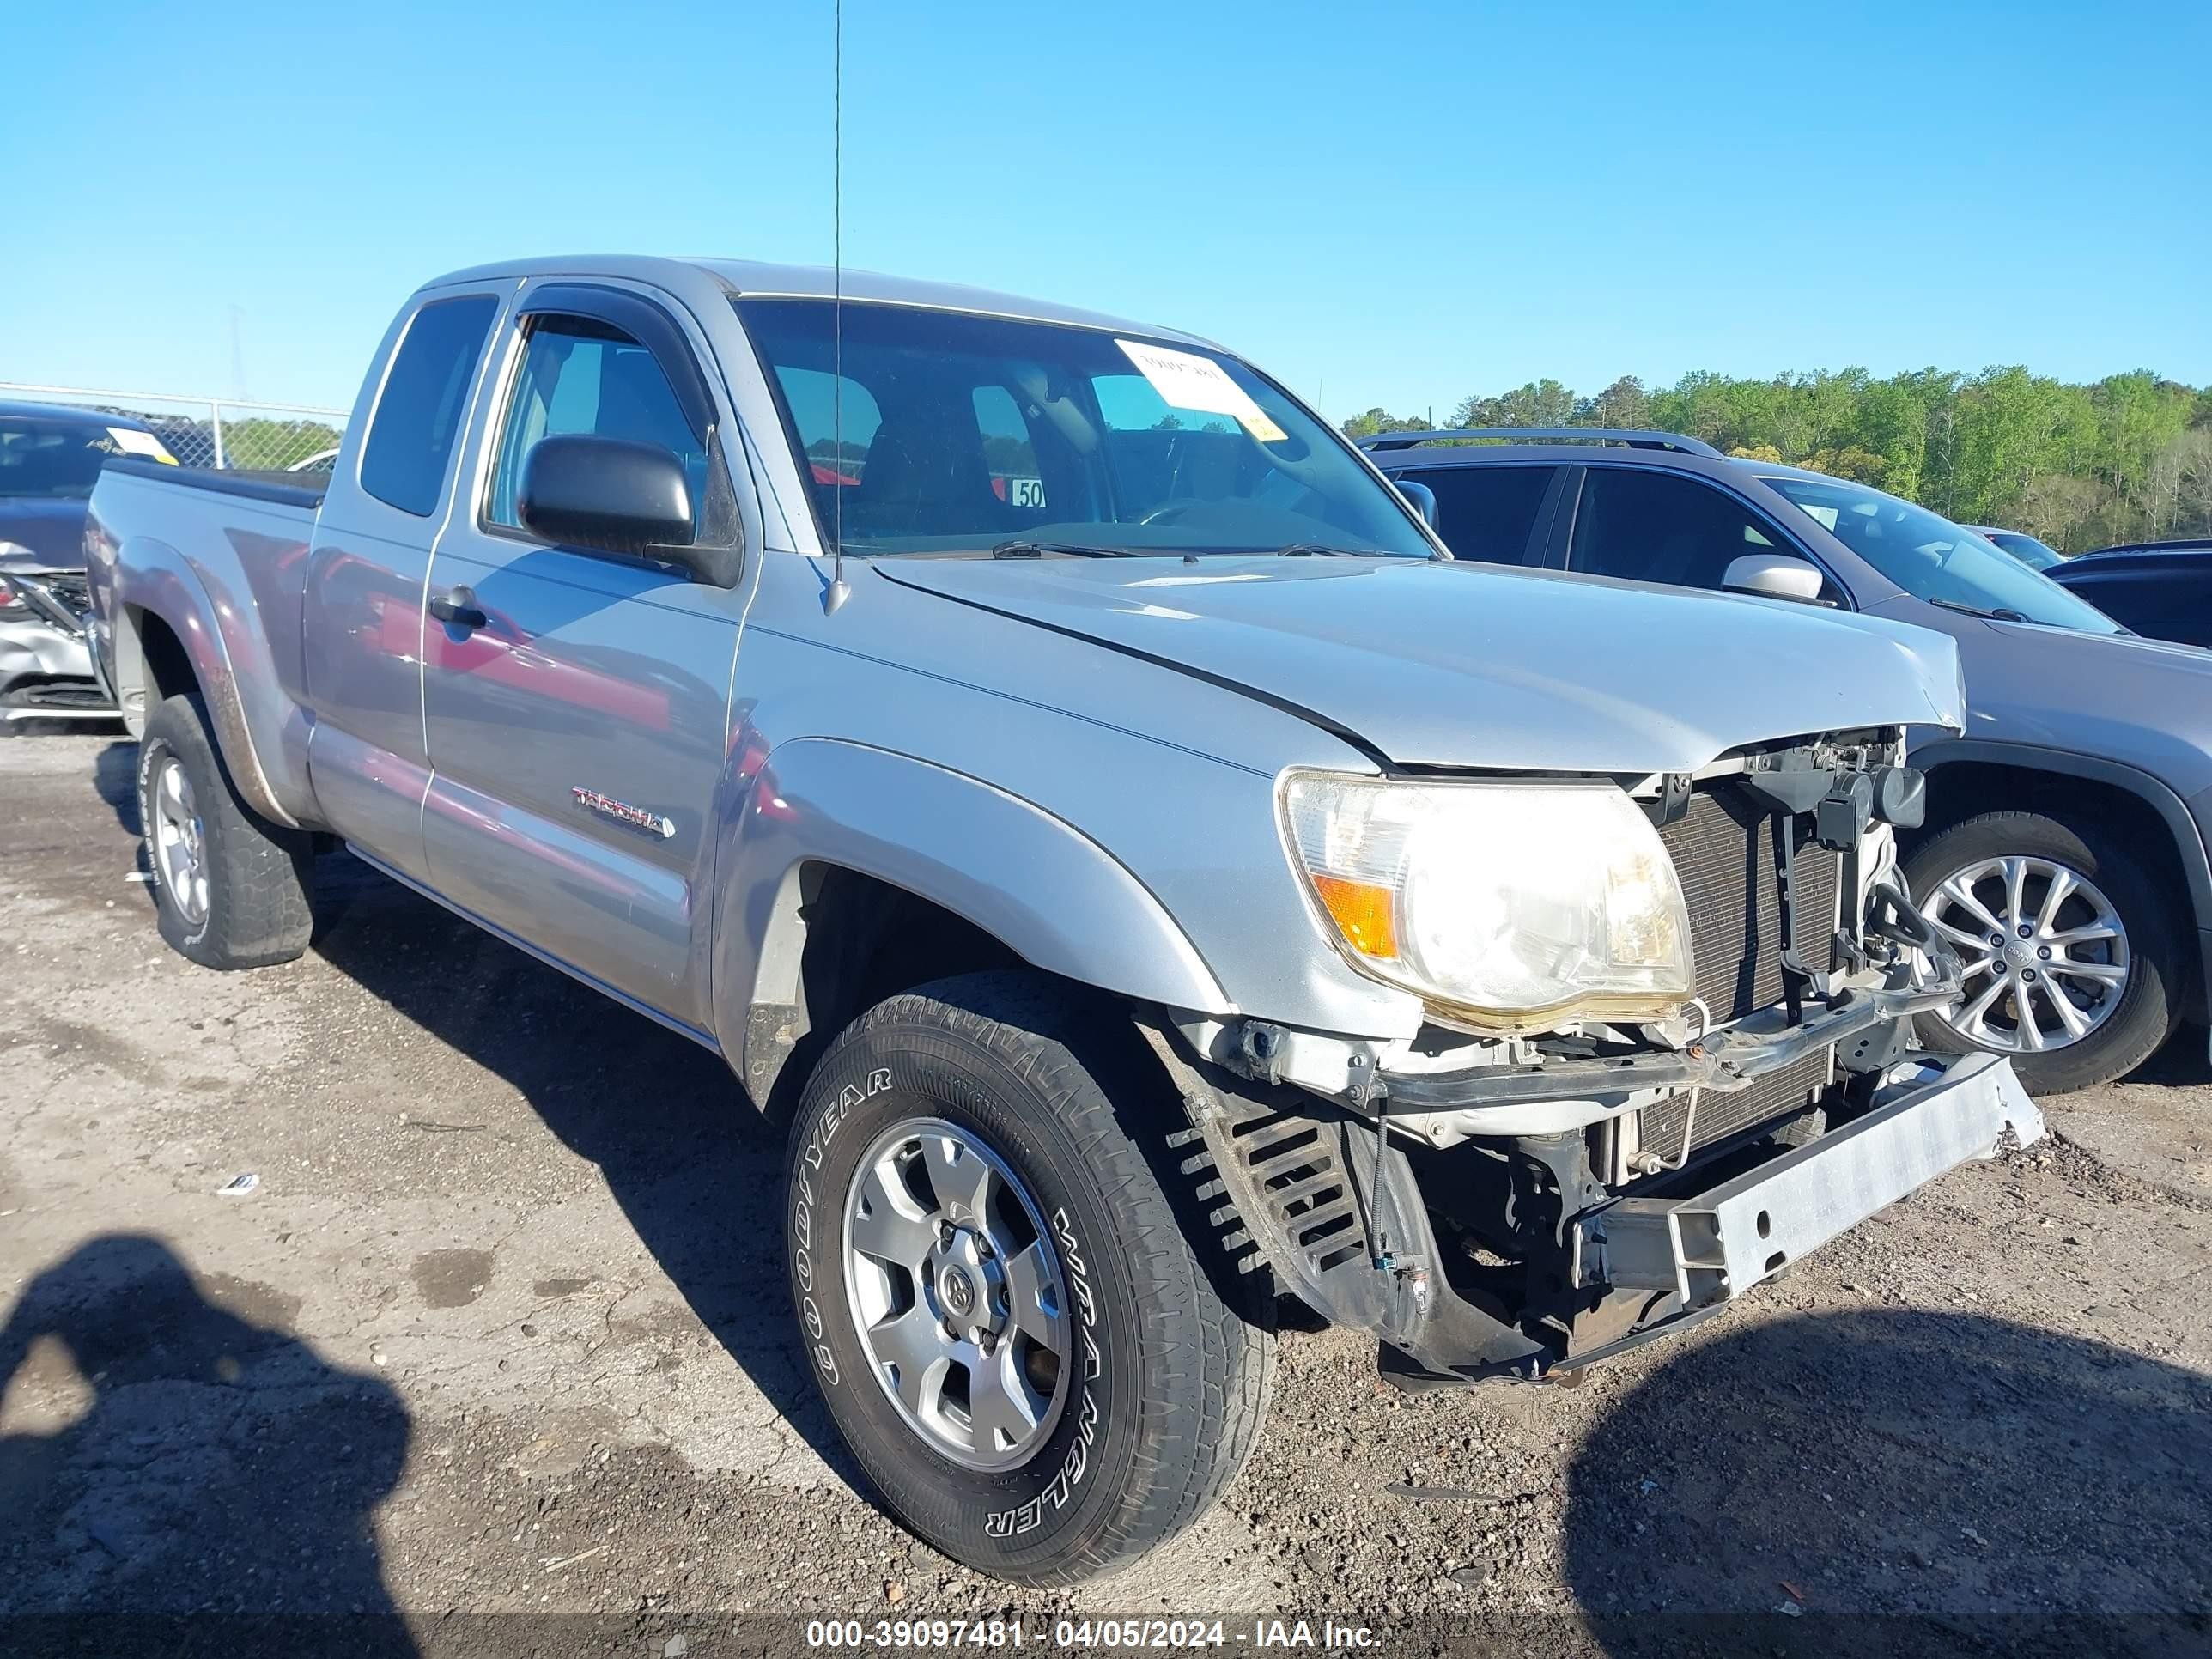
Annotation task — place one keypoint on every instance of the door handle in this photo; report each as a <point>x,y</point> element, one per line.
<point>458,610</point>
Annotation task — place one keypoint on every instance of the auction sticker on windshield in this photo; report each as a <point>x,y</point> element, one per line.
<point>1186,381</point>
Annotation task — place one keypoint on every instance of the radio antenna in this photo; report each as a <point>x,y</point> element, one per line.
<point>839,592</point>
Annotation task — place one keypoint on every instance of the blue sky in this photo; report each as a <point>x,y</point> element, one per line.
<point>1390,206</point>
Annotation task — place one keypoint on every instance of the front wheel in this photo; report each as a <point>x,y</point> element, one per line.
<point>2071,966</point>
<point>997,1292</point>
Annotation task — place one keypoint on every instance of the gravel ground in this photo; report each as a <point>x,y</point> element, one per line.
<point>501,1331</point>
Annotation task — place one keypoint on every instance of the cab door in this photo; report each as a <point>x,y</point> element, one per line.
<point>576,703</point>
<point>362,604</point>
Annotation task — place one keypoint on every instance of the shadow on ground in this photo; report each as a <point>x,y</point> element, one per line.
<point>1951,1467</point>
<point>115,776</point>
<point>697,1173</point>
<point>173,1450</point>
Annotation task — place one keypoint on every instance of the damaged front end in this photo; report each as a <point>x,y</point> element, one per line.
<point>45,659</point>
<point>1512,1202</point>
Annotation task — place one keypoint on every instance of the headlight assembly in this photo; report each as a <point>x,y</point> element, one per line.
<point>1508,905</point>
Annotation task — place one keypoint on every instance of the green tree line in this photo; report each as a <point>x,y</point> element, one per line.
<point>2127,457</point>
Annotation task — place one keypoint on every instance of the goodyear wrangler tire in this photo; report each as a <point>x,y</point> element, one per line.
<point>991,1264</point>
<point>231,890</point>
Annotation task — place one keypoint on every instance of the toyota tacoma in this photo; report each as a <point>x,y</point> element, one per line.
<point>1083,801</point>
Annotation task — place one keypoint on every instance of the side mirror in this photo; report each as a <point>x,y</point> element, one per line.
<point>1423,499</point>
<point>1775,575</point>
<point>610,495</point>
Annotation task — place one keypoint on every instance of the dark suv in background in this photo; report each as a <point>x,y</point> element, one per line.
<point>2162,589</point>
<point>2064,849</point>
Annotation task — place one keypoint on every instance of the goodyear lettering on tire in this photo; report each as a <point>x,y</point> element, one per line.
<point>802,1215</point>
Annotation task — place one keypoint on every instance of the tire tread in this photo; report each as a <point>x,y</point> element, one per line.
<point>260,876</point>
<point>1213,1360</point>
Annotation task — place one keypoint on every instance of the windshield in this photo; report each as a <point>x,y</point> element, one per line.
<point>948,432</point>
<point>1933,559</point>
<point>60,460</point>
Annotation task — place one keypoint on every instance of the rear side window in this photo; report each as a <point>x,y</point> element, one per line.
<point>418,417</point>
<point>1652,527</point>
<point>1487,512</point>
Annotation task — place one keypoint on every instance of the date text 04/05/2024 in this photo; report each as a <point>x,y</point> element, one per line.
<point>1325,1634</point>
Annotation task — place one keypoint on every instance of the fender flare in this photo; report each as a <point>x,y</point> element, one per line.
<point>1034,882</point>
<point>154,578</point>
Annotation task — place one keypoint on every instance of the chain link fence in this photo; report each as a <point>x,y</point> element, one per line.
<point>211,431</point>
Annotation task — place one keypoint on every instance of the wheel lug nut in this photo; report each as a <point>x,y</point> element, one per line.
<point>2026,932</point>
<point>951,1330</point>
<point>1997,940</point>
<point>945,1234</point>
<point>2043,952</point>
<point>2028,973</point>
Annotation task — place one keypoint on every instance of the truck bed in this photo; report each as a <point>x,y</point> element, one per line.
<point>226,555</point>
<point>305,490</point>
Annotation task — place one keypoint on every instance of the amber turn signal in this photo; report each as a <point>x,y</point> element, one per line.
<point>1364,914</point>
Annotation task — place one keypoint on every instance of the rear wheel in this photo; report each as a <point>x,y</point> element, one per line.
<point>996,1289</point>
<point>230,888</point>
<point>2071,964</point>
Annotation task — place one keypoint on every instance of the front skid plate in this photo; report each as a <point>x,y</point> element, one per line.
<point>1717,1245</point>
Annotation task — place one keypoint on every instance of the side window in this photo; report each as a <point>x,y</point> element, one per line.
<point>580,375</point>
<point>1007,451</point>
<point>821,403</point>
<point>2154,604</point>
<point>418,414</point>
<point>1653,527</point>
<point>1487,512</point>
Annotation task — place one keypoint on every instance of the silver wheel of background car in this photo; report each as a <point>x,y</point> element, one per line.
<point>956,1289</point>
<point>2044,952</point>
<point>180,841</point>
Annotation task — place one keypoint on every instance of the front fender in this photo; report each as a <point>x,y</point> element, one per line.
<point>2184,820</point>
<point>2188,840</point>
<point>151,578</point>
<point>1035,882</point>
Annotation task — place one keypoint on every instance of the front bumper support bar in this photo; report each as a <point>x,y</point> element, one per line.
<point>1730,1059</point>
<point>1716,1245</point>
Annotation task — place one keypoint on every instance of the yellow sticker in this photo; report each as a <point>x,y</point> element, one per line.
<point>131,441</point>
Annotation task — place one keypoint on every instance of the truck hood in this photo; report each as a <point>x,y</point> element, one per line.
<point>51,532</point>
<point>1463,664</point>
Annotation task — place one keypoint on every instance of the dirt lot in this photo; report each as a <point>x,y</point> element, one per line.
<point>502,1331</point>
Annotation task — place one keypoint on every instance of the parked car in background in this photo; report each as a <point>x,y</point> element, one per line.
<point>50,459</point>
<point>2035,555</point>
<point>2162,589</point>
<point>1098,817</point>
<point>2064,852</point>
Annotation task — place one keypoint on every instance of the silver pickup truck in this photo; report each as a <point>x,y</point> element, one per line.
<point>1084,802</point>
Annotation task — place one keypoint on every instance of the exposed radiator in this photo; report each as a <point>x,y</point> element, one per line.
<point>1727,851</point>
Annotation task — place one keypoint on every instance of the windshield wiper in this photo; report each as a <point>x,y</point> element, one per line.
<point>1022,550</point>
<point>1976,610</point>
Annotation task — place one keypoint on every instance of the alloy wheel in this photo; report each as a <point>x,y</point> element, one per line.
<point>2044,952</point>
<point>179,841</point>
<point>958,1291</point>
